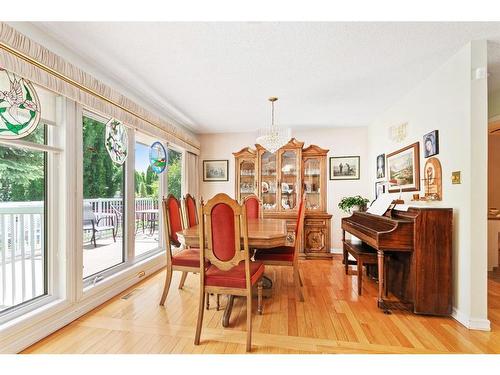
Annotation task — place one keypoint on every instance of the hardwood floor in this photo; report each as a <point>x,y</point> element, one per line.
<point>333,319</point>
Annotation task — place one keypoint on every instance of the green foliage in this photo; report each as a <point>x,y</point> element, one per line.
<point>101,177</point>
<point>22,171</point>
<point>347,203</point>
<point>174,173</point>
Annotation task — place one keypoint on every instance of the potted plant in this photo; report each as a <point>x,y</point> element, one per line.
<point>350,204</point>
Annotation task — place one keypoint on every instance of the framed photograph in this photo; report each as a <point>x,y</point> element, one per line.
<point>381,166</point>
<point>215,170</point>
<point>379,188</point>
<point>403,166</point>
<point>344,168</point>
<point>431,144</point>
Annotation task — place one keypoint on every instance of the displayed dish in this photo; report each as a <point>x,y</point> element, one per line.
<point>265,187</point>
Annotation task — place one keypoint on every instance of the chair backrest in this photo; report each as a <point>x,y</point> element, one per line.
<point>222,225</point>
<point>88,213</point>
<point>253,206</point>
<point>190,211</point>
<point>172,221</point>
<point>299,227</point>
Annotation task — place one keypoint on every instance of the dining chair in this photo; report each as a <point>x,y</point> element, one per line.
<point>185,260</point>
<point>253,206</point>
<point>287,255</point>
<point>225,262</point>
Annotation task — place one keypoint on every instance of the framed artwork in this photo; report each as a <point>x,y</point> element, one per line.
<point>344,168</point>
<point>403,166</point>
<point>158,158</point>
<point>381,166</point>
<point>431,144</point>
<point>379,188</point>
<point>19,106</point>
<point>215,170</point>
<point>116,141</point>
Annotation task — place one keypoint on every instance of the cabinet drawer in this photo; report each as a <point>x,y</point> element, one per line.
<point>315,222</point>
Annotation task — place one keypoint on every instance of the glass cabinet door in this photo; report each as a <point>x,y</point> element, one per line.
<point>268,181</point>
<point>247,178</point>
<point>312,183</point>
<point>289,180</point>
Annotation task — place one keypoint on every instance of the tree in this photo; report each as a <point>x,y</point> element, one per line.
<point>174,173</point>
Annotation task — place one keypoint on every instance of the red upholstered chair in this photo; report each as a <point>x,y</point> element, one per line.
<point>287,255</point>
<point>186,260</point>
<point>253,206</point>
<point>226,266</point>
<point>190,215</point>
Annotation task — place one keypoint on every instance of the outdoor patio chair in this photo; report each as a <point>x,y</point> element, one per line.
<point>97,223</point>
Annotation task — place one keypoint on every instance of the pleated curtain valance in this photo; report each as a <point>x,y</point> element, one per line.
<point>36,63</point>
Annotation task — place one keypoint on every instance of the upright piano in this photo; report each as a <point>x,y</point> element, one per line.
<point>414,254</point>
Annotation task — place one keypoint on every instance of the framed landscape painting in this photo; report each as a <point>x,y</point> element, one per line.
<point>344,168</point>
<point>215,170</point>
<point>403,167</point>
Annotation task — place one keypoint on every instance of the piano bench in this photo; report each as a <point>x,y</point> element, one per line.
<point>363,254</point>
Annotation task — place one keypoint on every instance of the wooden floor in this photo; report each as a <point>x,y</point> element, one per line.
<point>333,319</point>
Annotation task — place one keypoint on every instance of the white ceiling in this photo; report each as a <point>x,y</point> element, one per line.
<point>216,77</point>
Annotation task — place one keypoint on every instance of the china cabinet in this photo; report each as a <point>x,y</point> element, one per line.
<point>280,179</point>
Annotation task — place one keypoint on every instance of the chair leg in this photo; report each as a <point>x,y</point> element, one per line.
<point>249,322</point>
<point>114,235</point>
<point>296,278</point>
<point>168,280</point>
<point>300,278</point>
<point>208,301</point>
<point>200,317</point>
<point>218,302</point>
<point>183,280</point>
<point>93,239</point>
<point>346,261</point>
<point>259,297</point>
<point>360,276</point>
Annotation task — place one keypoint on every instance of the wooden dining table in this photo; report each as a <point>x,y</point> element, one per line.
<point>262,234</point>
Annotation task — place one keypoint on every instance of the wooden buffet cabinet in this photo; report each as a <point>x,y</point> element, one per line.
<point>280,179</point>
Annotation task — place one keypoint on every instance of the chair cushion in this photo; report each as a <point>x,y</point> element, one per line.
<point>252,206</point>
<point>187,258</point>
<point>281,254</point>
<point>235,277</point>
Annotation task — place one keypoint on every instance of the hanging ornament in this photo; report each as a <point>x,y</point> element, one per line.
<point>158,157</point>
<point>116,141</point>
<point>19,106</point>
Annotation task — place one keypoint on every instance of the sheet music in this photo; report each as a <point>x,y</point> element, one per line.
<point>380,206</point>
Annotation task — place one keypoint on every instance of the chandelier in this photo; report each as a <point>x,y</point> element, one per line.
<point>274,137</point>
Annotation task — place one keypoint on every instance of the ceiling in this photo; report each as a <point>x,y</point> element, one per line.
<point>216,77</point>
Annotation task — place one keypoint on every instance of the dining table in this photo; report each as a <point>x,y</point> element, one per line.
<point>263,233</point>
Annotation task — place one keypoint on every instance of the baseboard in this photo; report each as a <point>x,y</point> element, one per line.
<point>28,337</point>
<point>471,323</point>
<point>336,250</point>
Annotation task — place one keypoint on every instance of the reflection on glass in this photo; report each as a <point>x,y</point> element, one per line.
<point>147,184</point>
<point>103,202</point>
<point>289,180</point>
<point>312,183</point>
<point>247,178</point>
<point>269,180</point>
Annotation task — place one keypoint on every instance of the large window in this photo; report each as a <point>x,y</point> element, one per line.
<point>103,202</point>
<point>147,192</point>
<point>25,171</point>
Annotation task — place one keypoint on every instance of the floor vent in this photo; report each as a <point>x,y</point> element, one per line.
<point>131,294</point>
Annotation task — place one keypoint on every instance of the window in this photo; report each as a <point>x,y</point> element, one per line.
<point>25,250</point>
<point>103,202</point>
<point>147,193</point>
<point>175,173</point>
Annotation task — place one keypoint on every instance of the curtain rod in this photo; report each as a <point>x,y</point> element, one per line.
<point>71,81</point>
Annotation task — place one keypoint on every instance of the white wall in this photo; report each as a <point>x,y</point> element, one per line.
<point>340,141</point>
<point>452,102</point>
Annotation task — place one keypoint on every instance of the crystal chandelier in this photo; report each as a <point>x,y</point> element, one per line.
<point>273,137</point>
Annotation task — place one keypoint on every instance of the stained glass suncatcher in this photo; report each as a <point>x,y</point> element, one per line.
<point>116,141</point>
<point>19,106</point>
<point>157,157</point>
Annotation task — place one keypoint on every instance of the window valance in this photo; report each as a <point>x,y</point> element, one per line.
<point>32,61</point>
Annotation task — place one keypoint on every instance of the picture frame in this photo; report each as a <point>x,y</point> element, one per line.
<point>380,187</point>
<point>344,168</point>
<point>381,166</point>
<point>215,170</point>
<point>403,166</point>
<point>431,144</point>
